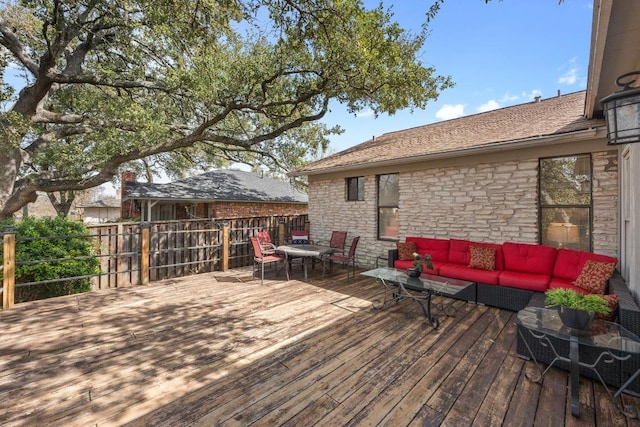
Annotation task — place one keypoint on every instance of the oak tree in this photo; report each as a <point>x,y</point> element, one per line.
<point>108,82</point>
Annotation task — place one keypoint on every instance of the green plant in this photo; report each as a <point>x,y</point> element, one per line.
<point>573,299</point>
<point>53,250</point>
<point>417,261</point>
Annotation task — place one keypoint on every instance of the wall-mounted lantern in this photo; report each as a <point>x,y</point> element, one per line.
<point>622,111</point>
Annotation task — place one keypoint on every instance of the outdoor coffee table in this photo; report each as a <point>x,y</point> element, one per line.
<point>399,286</point>
<point>613,341</point>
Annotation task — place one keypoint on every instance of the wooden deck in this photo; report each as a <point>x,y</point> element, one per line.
<point>221,349</point>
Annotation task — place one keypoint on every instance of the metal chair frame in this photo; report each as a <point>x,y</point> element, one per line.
<point>259,258</point>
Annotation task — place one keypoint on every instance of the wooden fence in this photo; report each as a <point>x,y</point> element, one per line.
<point>137,253</point>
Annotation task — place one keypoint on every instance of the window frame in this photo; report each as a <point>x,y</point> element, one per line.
<point>359,189</point>
<point>544,206</point>
<point>380,206</point>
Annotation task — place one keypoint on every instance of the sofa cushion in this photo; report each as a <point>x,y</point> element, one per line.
<point>406,250</point>
<point>459,252</point>
<point>438,249</point>
<point>595,275</point>
<point>528,281</point>
<point>462,272</point>
<point>482,258</point>
<point>529,258</point>
<point>569,263</point>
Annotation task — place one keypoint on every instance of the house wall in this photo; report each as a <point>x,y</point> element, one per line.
<point>492,201</point>
<point>240,210</point>
<point>100,215</point>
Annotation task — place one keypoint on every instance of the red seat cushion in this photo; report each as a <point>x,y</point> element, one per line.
<point>529,258</point>
<point>556,283</point>
<point>569,263</point>
<point>528,281</point>
<point>462,272</point>
<point>438,249</point>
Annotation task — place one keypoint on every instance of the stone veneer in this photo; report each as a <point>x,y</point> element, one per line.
<point>491,202</point>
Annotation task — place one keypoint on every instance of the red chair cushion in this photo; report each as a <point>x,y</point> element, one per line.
<point>462,272</point>
<point>528,281</point>
<point>529,258</point>
<point>569,263</point>
<point>438,249</point>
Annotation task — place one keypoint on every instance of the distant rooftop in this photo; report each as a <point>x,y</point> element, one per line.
<point>220,185</point>
<point>104,203</point>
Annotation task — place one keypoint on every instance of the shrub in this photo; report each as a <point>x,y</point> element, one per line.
<point>53,249</point>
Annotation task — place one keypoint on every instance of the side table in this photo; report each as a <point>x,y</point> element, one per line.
<point>612,342</point>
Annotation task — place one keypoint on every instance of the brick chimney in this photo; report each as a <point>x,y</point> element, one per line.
<point>127,206</point>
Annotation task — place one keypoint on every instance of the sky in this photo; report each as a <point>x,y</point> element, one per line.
<point>498,54</point>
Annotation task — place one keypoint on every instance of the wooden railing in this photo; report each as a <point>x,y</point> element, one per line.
<point>138,253</point>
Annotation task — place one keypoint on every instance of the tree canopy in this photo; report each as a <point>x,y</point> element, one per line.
<point>110,82</point>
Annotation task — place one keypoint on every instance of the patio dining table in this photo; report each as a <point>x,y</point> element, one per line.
<point>307,252</point>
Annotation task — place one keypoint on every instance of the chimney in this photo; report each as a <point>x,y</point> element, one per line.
<point>537,98</point>
<point>127,206</point>
<point>558,93</point>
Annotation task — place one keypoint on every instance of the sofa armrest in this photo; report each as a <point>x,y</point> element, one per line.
<point>392,258</point>
<point>628,310</point>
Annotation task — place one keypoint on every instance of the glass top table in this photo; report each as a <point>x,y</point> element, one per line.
<point>399,286</point>
<point>612,340</point>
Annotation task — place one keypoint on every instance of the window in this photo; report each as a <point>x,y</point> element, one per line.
<point>388,207</point>
<point>355,189</point>
<point>565,202</point>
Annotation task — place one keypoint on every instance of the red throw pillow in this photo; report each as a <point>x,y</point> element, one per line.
<point>406,250</point>
<point>482,257</point>
<point>612,301</point>
<point>594,276</point>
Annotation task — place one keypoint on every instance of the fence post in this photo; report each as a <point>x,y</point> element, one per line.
<point>225,246</point>
<point>9,267</point>
<point>281,233</point>
<point>144,253</point>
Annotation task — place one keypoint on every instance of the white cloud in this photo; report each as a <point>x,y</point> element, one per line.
<point>448,111</point>
<point>570,77</point>
<point>367,113</point>
<point>507,98</point>
<point>491,104</point>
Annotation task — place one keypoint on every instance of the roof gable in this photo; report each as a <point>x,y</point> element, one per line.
<point>553,116</point>
<point>222,185</point>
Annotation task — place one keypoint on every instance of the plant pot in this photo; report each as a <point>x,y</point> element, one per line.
<point>412,272</point>
<point>575,319</point>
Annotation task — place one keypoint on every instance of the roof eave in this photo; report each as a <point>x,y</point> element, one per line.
<point>469,151</point>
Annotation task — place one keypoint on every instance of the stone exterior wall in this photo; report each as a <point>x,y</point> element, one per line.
<point>605,203</point>
<point>490,202</point>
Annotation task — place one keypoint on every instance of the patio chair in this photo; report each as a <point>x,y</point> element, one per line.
<point>337,242</point>
<point>300,237</point>
<point>267,246</point>
<point>345,260</point>
<point>259,258</point>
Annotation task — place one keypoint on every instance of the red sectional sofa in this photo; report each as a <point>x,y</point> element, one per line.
<point>520,269</point>
<point>520,275</point>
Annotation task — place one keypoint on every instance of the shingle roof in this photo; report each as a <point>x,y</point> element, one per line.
<point>104,203</point>
<point>553,116</point>
<point>223,185</point>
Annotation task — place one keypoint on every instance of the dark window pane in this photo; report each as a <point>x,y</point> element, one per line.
<point>355,189</point>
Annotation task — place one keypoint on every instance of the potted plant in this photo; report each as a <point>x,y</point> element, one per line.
<point>575,309</point>
<point>418,266</point>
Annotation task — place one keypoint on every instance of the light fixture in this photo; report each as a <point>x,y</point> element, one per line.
<point>622,111</point>
<point>563,233</point>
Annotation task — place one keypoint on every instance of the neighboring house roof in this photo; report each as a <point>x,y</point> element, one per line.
<point>220,185</point>
<point>105,203</point>
<point>550,117</point>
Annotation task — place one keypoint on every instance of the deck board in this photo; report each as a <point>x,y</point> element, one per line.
<point>222,349</point>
